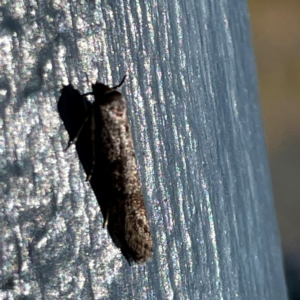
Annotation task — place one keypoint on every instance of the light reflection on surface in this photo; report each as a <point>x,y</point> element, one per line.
<point>53,241</point>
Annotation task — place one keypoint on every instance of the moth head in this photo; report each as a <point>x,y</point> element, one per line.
<point>102,89</point>
<point>109,99</point>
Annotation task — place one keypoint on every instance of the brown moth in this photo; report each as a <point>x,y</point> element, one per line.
<point>105,148</point>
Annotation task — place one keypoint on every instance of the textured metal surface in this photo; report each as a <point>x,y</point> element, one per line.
<point>193,106</point>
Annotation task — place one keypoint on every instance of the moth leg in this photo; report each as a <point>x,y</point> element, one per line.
<point>74,140</point>
<point>93,138</point>
<point>105,223</point>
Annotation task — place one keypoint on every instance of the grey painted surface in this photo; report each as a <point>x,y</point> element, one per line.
<point>194,109</point>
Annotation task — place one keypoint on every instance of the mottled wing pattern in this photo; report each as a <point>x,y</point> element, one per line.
<point>126,221</point>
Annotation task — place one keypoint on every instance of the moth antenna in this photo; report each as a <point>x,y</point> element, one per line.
<point>120,84</point>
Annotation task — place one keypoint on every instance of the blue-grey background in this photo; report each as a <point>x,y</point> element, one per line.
<point>276,39</point>
<point>194,109</point>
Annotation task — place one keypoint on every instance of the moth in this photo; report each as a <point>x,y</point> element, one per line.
<point>101,133</point>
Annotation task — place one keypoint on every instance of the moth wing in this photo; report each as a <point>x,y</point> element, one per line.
<point>137,231</point>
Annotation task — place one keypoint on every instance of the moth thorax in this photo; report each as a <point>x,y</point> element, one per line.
<point>116,107</point>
